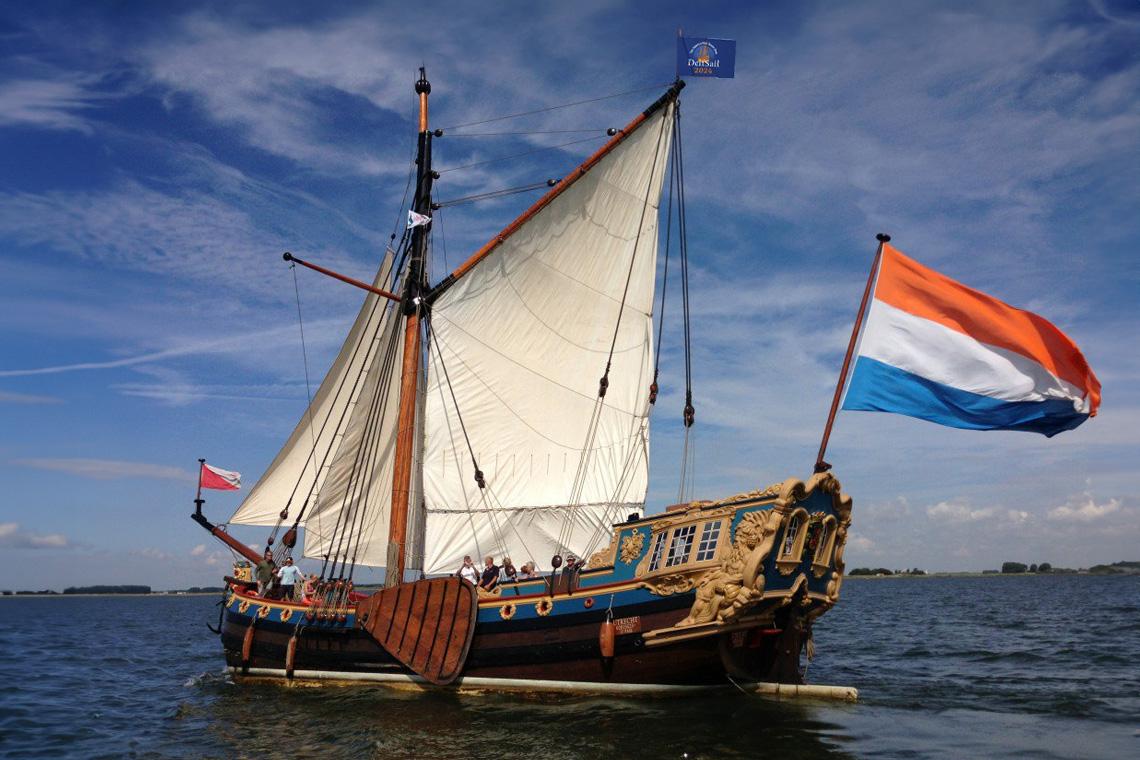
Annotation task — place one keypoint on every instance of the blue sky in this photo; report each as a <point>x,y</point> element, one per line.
<point>158,158</point>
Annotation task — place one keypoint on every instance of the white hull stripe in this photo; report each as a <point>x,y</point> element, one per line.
<point>585,687</point>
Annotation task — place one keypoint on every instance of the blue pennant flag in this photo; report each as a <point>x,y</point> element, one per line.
<point>706,57</point>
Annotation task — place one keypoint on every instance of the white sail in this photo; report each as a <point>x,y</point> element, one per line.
<point>351,515</point>
<point>524,337</point>
<point>299,471</point>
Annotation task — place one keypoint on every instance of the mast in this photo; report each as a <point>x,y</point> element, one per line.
<point>414,289</point>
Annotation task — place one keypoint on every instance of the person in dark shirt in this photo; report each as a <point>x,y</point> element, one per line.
<point>265,571</point>
<point>490,577</point>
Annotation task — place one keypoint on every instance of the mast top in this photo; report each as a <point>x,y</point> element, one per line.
<point>423,86</point>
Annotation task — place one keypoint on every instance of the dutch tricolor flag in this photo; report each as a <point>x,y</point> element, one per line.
<point>935,349</point>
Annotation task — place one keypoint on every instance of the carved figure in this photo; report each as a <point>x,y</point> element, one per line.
<point>631,547</point>
<point>724,592</point>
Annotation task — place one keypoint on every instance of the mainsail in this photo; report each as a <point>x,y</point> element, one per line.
<point>521,339</point>
<point>337,464</point>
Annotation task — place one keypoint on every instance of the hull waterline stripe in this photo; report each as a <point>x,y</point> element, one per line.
<point>780,690</point>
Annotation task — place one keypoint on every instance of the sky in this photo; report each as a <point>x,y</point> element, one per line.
<point>156,159</point>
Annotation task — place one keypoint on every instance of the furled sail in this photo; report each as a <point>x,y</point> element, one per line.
<point>339,457</point>
<point>523,337</point>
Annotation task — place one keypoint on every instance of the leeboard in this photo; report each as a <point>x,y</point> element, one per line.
<point>427,625</point>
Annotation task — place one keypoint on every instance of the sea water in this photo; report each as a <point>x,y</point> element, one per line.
<point>1029,666</point>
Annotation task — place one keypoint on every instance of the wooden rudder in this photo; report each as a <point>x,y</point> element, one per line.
<point>427,625</point>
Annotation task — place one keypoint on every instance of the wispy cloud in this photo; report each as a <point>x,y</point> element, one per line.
<point>1084,509</point>
<point>9,397</point>
<point>107,469</point>
<point>958,512</point>
<point>229,344</point>
<point>55,104</point>
<point>13,538</point>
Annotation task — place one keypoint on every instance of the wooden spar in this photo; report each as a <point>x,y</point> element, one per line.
<point>557,190</point>
<point>820,465</point>
<point>343,278</point>
<point>226,538</point>
<point>409,375</point>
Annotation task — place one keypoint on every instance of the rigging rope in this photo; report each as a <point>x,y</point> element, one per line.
<point>653,388</point>
<point>496,194</point>
<point>528,132</point>
<point>556,107</point>
<point>689,413</point>
<point>520,155</point>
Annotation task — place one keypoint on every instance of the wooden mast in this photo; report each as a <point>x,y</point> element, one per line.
<point>820,465</point>
<point>413,292</point>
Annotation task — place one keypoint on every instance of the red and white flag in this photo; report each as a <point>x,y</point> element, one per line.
<point>417,220</point>
<point>219,479</point>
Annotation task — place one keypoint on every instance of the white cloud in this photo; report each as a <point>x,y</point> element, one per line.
<point>107,469</point>
<point>957,511</point>
<point>8,397</point>
<point>1084,510</point>
<point>46,103</point>
<point>150,552</point>
<point>12,537</point>
<point>198,550</point>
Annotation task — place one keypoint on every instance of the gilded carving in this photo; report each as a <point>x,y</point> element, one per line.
<point>667,585</point>
<point>605,557</point>
<point>725,591</point>
<point>631,547</point>
<point>762,493</point>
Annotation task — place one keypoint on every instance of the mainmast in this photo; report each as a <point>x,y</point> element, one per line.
<point>415,287</point>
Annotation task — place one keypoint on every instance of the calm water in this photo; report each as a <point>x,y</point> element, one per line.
<point>1029,667</point>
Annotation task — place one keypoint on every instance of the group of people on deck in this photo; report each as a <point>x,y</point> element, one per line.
<point>282,582</point>
<point>492,575</point>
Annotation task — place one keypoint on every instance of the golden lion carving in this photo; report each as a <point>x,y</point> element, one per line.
<point>724,592</point>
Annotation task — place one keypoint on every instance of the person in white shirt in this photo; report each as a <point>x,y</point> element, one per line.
<point>468,571</point>
<point>289,575</point>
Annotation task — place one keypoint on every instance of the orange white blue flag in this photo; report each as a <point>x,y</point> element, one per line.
<point>933,348</point>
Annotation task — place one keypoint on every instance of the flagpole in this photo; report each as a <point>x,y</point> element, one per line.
<point>677,66</point>
<point>198,500</point>
<point>820,465</point>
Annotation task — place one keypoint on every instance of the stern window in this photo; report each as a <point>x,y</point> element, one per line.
<point>709,538</point>
<point>682,544</point>
<point>658,548</point>
<point>790,534</point>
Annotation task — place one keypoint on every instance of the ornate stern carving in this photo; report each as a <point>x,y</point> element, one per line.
<point>667,585</point>
<point>725,591</point>
<point>628,553</point>
<point>631,547</point>
<point>603,558</point>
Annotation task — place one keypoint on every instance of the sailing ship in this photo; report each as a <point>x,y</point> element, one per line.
<point>504,411</point>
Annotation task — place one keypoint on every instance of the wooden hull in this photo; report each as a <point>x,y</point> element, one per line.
<point>561,653</point>
<point>737,612</point>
